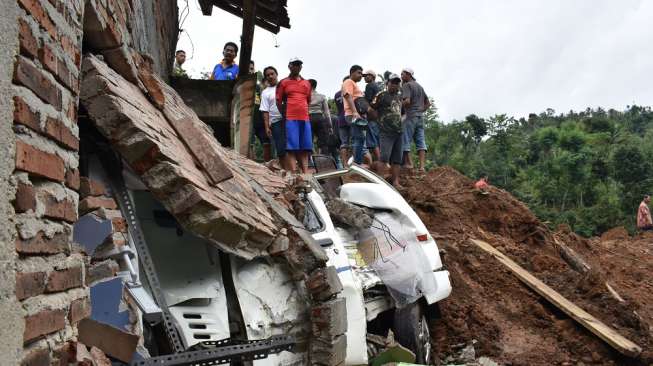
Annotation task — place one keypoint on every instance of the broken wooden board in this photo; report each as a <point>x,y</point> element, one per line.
<point>609,335</point>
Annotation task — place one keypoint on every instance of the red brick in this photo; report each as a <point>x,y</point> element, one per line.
<point>65,354</point>
<point>61,133</point>
<point>89,204</point>
<point>43,322</point>
<point>37,11</point>
<point>101,270</point>
<point>25,198</point>
<point>25,73</point>
<point>37,357</point>
<point>71,112</point>
<point>48,59</point>
<point>91,187</point>
<point>38,162</point>
<point>72,179</point>
<point>55,209</point>
<point>28,44</point>
<point>119,224</point>
<point>24,115</point>
<point>64,279</point>
<point>29,284</point>
<point>41,244</point>
<point>79,309</point>
<point>71,48</point>
<point>67,77</point>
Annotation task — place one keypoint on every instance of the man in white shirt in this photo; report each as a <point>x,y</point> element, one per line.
<point>274,126</point>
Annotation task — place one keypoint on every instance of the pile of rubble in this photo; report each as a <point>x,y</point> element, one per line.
<point>511,323</point>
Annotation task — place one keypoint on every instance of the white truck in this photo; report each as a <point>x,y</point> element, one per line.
<point>391,272</point>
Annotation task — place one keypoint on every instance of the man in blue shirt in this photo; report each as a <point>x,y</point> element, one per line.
<point>227,69</point>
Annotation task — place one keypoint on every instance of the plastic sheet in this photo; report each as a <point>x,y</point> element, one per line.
<point>398,259</point>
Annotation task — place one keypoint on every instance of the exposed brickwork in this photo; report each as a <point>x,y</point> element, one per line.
<point>91,187</point>
<point>25,198</point>
<point>24,115</point>
<point>101,270</point>
<point>89,204</point>
<point>43,322</point>
<point>29,284</point>
<point>72,179</point>
<point>59,132</point>
<point>39,163</point>
<point>42,244</point>
<point>27,74</point>
<point>36,9</point>
<point>79,309</point>
<point>28,44</point>
<point>64,279</point>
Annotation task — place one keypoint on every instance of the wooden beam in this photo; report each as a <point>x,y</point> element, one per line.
<point>609,335</point>
<point>247,37</point>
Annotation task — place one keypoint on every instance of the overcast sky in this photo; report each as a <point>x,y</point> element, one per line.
<point>482,57</point>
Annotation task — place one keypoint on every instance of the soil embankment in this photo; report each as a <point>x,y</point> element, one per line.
<point>512,324</point>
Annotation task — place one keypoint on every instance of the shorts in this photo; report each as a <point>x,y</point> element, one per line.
<point>259,128</point>
<point>391,148</point>
<point>279,137</point>
<point>344,133</point>
<point>372,137</point>
<point>413,130</point>
<point>298,135</point>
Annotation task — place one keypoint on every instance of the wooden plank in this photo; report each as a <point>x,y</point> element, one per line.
<point>247,36</point>
<point>609,335</point>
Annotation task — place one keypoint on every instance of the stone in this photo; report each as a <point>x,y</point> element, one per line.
<point>330,353</point>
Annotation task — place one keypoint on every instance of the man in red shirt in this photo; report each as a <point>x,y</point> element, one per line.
<point>293,98</point>
<point>644,221</point>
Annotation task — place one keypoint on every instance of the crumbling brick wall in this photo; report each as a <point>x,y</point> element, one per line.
<point>49,268</point>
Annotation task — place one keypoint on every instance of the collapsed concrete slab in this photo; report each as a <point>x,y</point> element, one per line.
<point>174,159</point>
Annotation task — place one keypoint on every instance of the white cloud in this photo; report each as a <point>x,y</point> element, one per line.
<point>482,57</point>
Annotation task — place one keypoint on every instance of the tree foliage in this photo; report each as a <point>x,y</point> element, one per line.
<point>586,169</point>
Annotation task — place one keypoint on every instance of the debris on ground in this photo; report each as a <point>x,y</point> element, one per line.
<point>512,324</point>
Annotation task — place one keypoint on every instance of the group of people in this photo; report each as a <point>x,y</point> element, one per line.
<point>375,127</point>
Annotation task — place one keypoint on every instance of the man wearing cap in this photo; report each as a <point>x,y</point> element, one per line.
<point>387,106</point>
<point>372,88</point>
<point>293,95</point>
<point>354,130</point>
<point>227,69</point>
<point>415,102</point>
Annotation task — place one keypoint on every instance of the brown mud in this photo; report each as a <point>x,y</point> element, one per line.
<point>512,324</point>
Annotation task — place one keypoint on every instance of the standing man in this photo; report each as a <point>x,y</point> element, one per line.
<point>415,102</point>
<point>320,117</point>
<point>272,119</point>
<point>387,106</point>
<point>293,96</point>
<point>644,222</point>
<point>357,126</point>
<point>372,88</point>
<point>342,130</point>
<point>227,69</point>
<point>258,128</point>
<point>177,70</point>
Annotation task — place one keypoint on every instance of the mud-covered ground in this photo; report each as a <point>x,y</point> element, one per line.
<point>512,324</point>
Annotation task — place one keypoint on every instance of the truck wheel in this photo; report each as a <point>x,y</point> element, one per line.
<point>412,331</point>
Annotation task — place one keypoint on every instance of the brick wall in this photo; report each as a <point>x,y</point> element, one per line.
<point>50,270</point>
